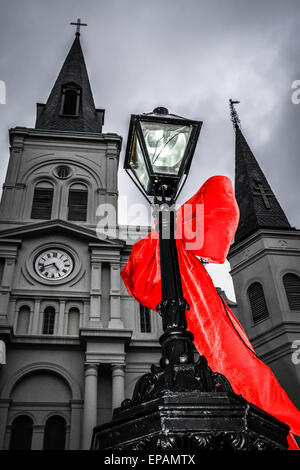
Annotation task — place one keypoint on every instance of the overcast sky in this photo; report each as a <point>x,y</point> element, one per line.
<point>188,55</point>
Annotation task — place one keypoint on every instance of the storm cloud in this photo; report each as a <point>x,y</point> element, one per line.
<point>188,55</point>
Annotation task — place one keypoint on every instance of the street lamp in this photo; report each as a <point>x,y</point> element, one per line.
<point>180,405</point>
<point>160,148</point>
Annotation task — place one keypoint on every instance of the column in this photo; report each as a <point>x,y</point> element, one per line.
<point>16,318</point>
<point>95,290</point>
<point>65,321</point>
<point>37,442</point>
<point>76,407</point>
<point>61,317</point>
<point>115,305</point>
<point>30,319</point>
<point>86,310</point>
<point>36,316</point>
<point>4,407</point>
<point>118,385</point>
<point>11,311</point>
<point>7,437</point>
<point>111,175</point>
<point>6,285</point>
<point>8,272</point>
<point>90,404</point>
<point>67,442</point>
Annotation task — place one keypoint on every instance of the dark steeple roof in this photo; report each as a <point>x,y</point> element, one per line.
<point>73,74</point>
<point>258,205</point>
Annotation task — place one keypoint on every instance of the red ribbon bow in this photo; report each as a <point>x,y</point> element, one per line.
<point>217,333</point>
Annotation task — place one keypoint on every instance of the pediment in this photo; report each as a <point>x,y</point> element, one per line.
<point>59,226</point>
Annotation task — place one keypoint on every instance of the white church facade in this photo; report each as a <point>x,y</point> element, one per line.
<point>75,341</point>
<point>69,325</point>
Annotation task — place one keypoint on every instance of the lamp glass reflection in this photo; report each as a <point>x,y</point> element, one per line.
<point>166,144</point>
<point>138,165</point>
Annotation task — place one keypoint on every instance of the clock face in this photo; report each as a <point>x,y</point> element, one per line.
<point>54,264</point>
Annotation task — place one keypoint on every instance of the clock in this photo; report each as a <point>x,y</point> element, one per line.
<point>54,264</point>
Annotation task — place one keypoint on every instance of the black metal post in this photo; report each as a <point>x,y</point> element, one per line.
<point>176,341</point>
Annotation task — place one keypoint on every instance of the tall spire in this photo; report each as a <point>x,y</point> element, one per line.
<point>70,106</point>
<point>258,205</point>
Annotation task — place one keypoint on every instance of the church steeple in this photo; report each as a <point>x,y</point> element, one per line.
<point>258,205</point>
<point>70,106</point>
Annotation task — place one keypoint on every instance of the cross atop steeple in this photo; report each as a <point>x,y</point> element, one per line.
<point>78,24</point>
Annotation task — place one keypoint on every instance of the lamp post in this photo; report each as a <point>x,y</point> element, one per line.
<point>180,405</point>
<point>159,152</point>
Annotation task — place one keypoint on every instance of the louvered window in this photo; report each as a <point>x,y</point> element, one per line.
<point>42,201</point>
<point>77,204</point>
<point>70,100</point>
<point>145,320</point>
<point>257,302</point>
<point>291,284</point>
<point>49,321</point>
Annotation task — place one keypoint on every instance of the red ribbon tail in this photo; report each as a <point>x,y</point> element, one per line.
<point>292,442</point>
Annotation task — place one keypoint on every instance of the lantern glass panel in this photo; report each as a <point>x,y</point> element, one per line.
<point>166,144</point>
<point>138,165</point>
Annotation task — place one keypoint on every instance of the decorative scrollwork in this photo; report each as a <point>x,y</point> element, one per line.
<point>126,402</point>
<point>238,440</point>
<point>221,383</point>
<point>203,441</point>
<point>191,442</point>
<point>259,444</point>
<point>166,443</point>
<point>198,376</point>
<point>144,386</point>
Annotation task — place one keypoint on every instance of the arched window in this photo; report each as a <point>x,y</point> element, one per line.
<point>42,201</point>
<point>145,319</point>
<point>70,100</point>
<point>21,433</point>
<point>55,433</point>
<point>49,321</point>
<point>23,320</point>
<point>257,302</point>
<point>77,202</point>
<point>73,321</point>
<point>291,284</point>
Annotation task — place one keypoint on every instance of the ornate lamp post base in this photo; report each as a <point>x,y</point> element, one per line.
<point>166,414</point>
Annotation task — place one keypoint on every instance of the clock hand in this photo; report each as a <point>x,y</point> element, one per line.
<point>51,264</point>
<point>47,265</point>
